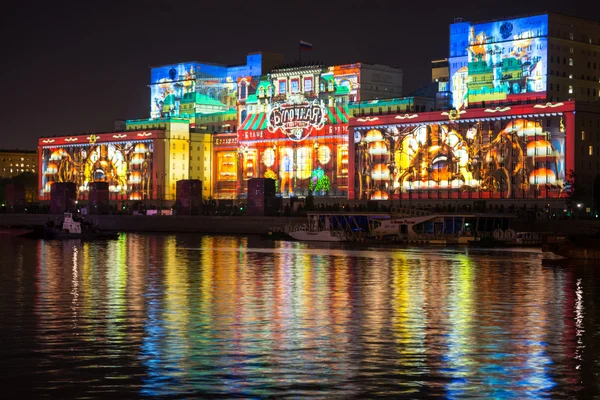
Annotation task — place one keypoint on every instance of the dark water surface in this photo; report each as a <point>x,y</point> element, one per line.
<point>233,317</point>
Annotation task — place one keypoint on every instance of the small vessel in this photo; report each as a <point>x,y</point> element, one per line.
<point>303,233</point>
<point>320,228</point>
<point>72,229</point>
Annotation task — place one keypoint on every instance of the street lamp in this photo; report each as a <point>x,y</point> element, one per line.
<point>241,151</point>
<point>316,147</point>
<point>410,181</point>
<point>392,168</point>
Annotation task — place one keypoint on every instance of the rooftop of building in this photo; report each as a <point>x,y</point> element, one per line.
<point>298,65</point>
<point>212,63</point>
<point>5,151</point>
<point>511,17</point>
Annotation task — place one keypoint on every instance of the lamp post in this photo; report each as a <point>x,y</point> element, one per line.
<point>241,151</point>
<point>161,189</point>
<point>392,168</point>
<point>410,181</point>
<point>316,147</point>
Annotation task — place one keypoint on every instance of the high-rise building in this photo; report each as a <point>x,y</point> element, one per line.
<point>541,57</point>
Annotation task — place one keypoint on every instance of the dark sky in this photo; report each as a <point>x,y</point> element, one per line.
<point>75,67</point>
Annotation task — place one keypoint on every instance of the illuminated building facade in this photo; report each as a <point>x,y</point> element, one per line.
<point>295,131</point>
<point>226,108</point>
<point>17,162</point>
<point>207,96</point>
<point>508,152</point>
<point>548,56</point>
<point>139,164</point>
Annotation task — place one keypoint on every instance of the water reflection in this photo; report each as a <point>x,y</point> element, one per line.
<point>202,316</point>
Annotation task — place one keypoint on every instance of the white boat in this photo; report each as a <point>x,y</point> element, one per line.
<point>442,229</point>
<point>318,236</point>
<point>318,229</point>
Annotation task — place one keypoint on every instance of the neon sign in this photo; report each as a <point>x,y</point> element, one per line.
<point>296,117</point>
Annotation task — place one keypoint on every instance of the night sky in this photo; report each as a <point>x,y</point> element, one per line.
<point>75,67</point>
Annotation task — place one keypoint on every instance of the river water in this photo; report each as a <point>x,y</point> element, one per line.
<point>189,316</point>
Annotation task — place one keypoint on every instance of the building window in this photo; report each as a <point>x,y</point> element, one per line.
<point>571,50</point>
<point>294,85</point>
<point>308,86</point>
<point>282,87</point>
<point>571,62</point>
<point>570,76</point>
<point>570,89</point>
<point>582,135</point>
<point>243,94</point>
<point>591,150</point>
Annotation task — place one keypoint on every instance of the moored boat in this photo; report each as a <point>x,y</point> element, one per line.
<point>72,229</point>
<point>305,234</point>
<point>323,227</point>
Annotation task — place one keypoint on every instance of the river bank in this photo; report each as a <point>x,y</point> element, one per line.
<point>247,224</point>
<point>163,223</point>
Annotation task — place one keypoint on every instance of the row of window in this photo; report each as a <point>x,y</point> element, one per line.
<point>584,135</point>
<point>570,90</point>
<point>22,159</point>
<point>571,50</point>
<point>564,60</point>
<point>571,36</point>
<point>17,170</point>
<point>591,78</point>
<point>22,165</point>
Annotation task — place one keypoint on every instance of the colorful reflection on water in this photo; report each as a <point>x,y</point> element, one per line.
<point>218,316</point>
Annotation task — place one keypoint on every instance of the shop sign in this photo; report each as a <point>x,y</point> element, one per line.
<point>296,117</point>
<point>227,141</point>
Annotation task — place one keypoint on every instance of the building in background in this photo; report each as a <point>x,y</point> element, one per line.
<point>368,81</point>
<point>543,57</point>
<point>17,162</point>
<point>440,71</point>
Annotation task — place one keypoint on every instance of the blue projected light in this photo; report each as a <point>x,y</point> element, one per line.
<point>170,85</point>
<point>498,61</point>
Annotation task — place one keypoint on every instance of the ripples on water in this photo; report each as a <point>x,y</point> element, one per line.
<point>225,317</point>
